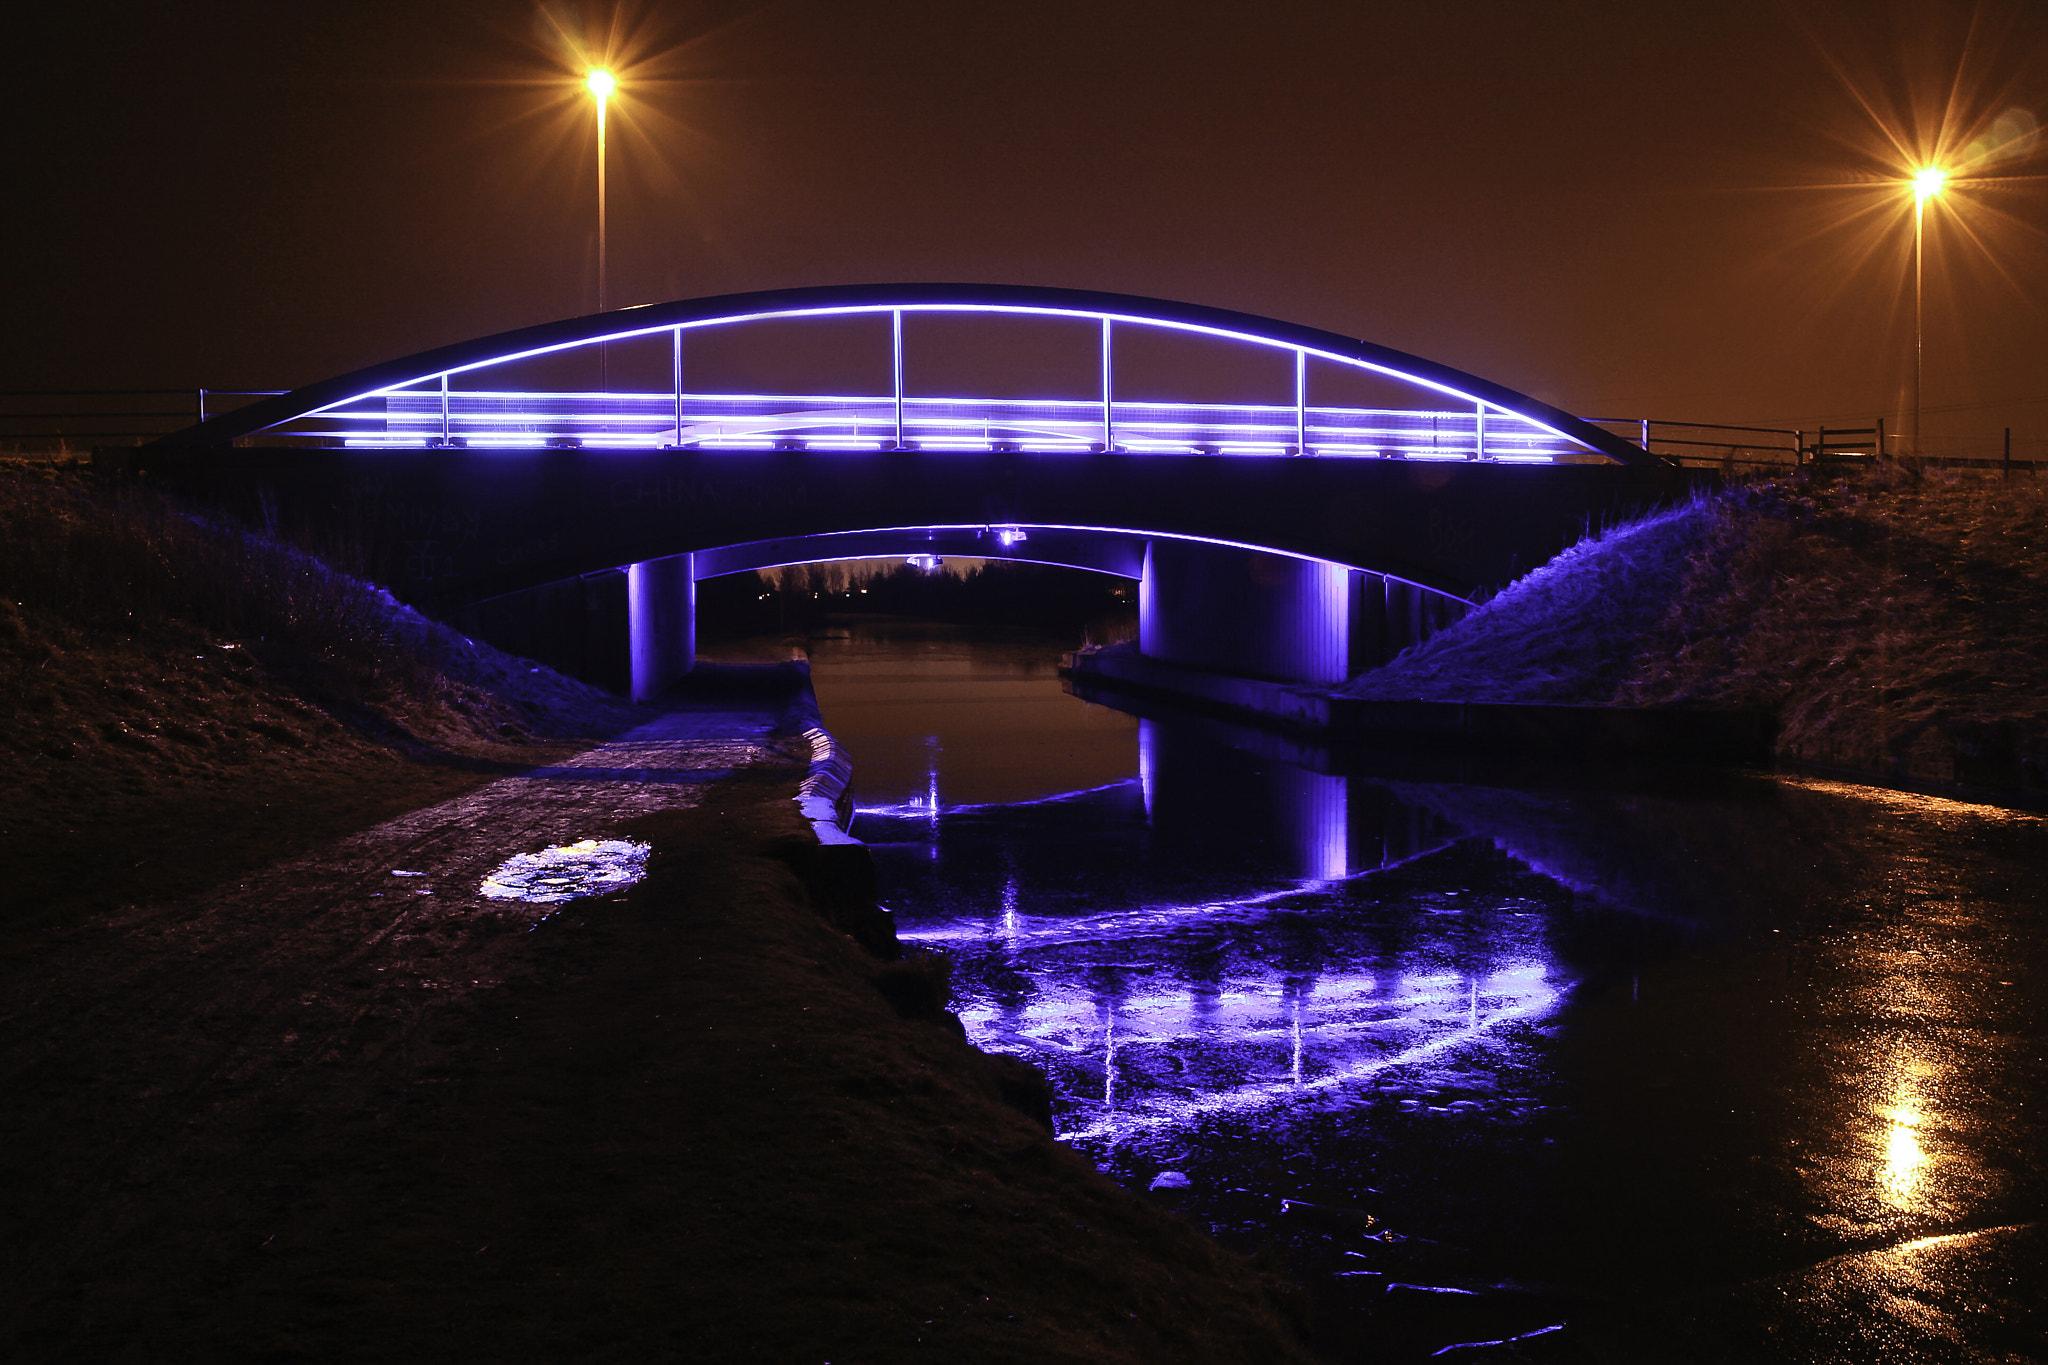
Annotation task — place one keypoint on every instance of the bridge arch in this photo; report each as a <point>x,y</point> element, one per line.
<point>433,398</point>
<point>1205,602</point>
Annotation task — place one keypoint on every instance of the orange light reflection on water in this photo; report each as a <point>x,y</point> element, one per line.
<point>1907,1158</point>
<point>1904,1157</point>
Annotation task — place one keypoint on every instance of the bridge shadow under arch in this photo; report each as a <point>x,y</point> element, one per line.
<point>1230,606</point>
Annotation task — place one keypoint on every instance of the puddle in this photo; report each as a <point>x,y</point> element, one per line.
<point>588,867</point>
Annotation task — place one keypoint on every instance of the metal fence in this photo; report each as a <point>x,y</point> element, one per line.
<point>1763,449</point>
<point>87,417</point>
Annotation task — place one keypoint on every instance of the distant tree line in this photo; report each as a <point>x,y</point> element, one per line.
<point>990,592</point>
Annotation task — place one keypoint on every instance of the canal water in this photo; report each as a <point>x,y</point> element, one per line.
<point>1569,1067</point>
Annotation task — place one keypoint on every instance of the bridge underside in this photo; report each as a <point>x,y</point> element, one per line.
<point>1296,569</point>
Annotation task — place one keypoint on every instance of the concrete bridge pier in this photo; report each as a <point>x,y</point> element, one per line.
<point>1276,617</point>
<point>661,623</point>
<point>1240,611</point>
<point>1218,608</point>
<point>631,630</point>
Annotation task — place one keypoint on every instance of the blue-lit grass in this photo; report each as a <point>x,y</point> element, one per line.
<point>1896,621</point>
<point>1563,634</point>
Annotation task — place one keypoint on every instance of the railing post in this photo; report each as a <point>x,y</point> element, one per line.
<point>444,407</point>
<point>202,405</point>
<point>1479,432</point>
<point>896,354</point>
<point>1301,402</point>
<point>1108,393</point>
<point>1880,439</point>
<point>677,357</point>
<point>1646,433</point>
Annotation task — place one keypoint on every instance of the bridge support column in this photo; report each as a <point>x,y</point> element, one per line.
<point>661,623</point>
<point>1244,612</point>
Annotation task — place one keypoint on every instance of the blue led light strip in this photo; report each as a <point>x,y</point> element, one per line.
<point>1486,405</point>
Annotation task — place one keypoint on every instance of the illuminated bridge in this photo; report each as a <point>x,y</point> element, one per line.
<point>1295,504</point>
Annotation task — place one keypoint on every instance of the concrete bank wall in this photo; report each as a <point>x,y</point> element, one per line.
<point>1734,737</point>
<point>836,869</point>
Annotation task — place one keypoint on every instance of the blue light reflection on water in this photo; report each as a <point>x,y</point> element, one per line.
<point>1203,969</point>
<point>1274,997</point>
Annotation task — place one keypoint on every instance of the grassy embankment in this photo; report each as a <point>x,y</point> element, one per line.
<point>1894,621</point>
<point>184,699</point>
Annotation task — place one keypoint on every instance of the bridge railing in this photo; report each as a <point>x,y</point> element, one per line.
<point>506,419</point>
<point>434,416</point>
<point>2027,454</point>
<point>1711,445</point>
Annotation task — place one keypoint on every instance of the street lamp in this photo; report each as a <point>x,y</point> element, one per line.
<point>600,83</point>
<point>1928,183</point>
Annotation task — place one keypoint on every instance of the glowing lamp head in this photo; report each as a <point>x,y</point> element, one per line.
<point>1928,182</point>
<point>600,83</point>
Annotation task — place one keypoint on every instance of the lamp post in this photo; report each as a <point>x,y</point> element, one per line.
<point>600,83</point>
<point>1928,183</point>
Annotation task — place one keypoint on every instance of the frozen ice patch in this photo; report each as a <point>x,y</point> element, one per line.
<point>588,867</point>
